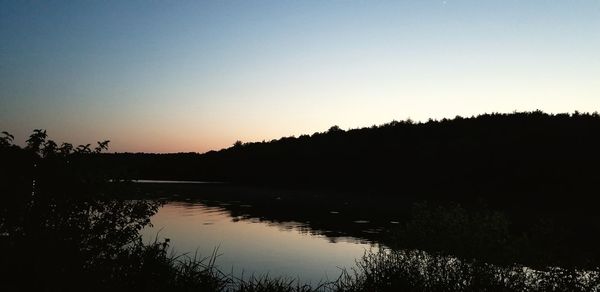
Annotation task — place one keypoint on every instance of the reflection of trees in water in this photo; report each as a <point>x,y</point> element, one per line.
<point>476,231</point>
<point>303,222</point>
<point>460,244</point>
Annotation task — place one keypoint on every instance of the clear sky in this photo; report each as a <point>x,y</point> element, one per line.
<point>171,76</point>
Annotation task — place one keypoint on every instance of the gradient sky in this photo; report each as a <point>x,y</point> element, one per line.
<point>170,76</point>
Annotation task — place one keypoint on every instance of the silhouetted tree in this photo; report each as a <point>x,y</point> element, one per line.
<point>50,148</point>
<point>83,149</point>
<point>36,140</point>
<point>334,129</point>
<point>65,149</point>
<point>238,144</point>
<point>102,146</point>
<point>7,140</point>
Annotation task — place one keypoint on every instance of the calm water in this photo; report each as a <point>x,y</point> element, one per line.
<point>253,246</point>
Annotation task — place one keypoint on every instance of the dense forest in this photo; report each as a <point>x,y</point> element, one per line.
<point>526,152</point>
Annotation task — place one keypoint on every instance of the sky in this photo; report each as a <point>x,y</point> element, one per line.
<point>194,76</point>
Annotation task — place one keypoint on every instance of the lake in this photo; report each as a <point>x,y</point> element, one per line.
<point>249,245</point>
<point>311,235</point>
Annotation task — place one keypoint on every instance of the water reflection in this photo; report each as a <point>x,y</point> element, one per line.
<point>254,245</point>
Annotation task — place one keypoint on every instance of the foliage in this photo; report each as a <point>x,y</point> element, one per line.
<point>55,222</point>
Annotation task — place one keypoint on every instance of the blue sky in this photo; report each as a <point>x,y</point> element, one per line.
<point>169,76</point>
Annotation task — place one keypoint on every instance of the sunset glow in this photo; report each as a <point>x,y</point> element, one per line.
<point>170,76</point>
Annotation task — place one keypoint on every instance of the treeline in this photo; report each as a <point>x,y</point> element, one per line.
<point>530,152</point>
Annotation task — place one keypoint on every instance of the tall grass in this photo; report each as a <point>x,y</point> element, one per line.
<point>415,270</point>
<point>380,270</point>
